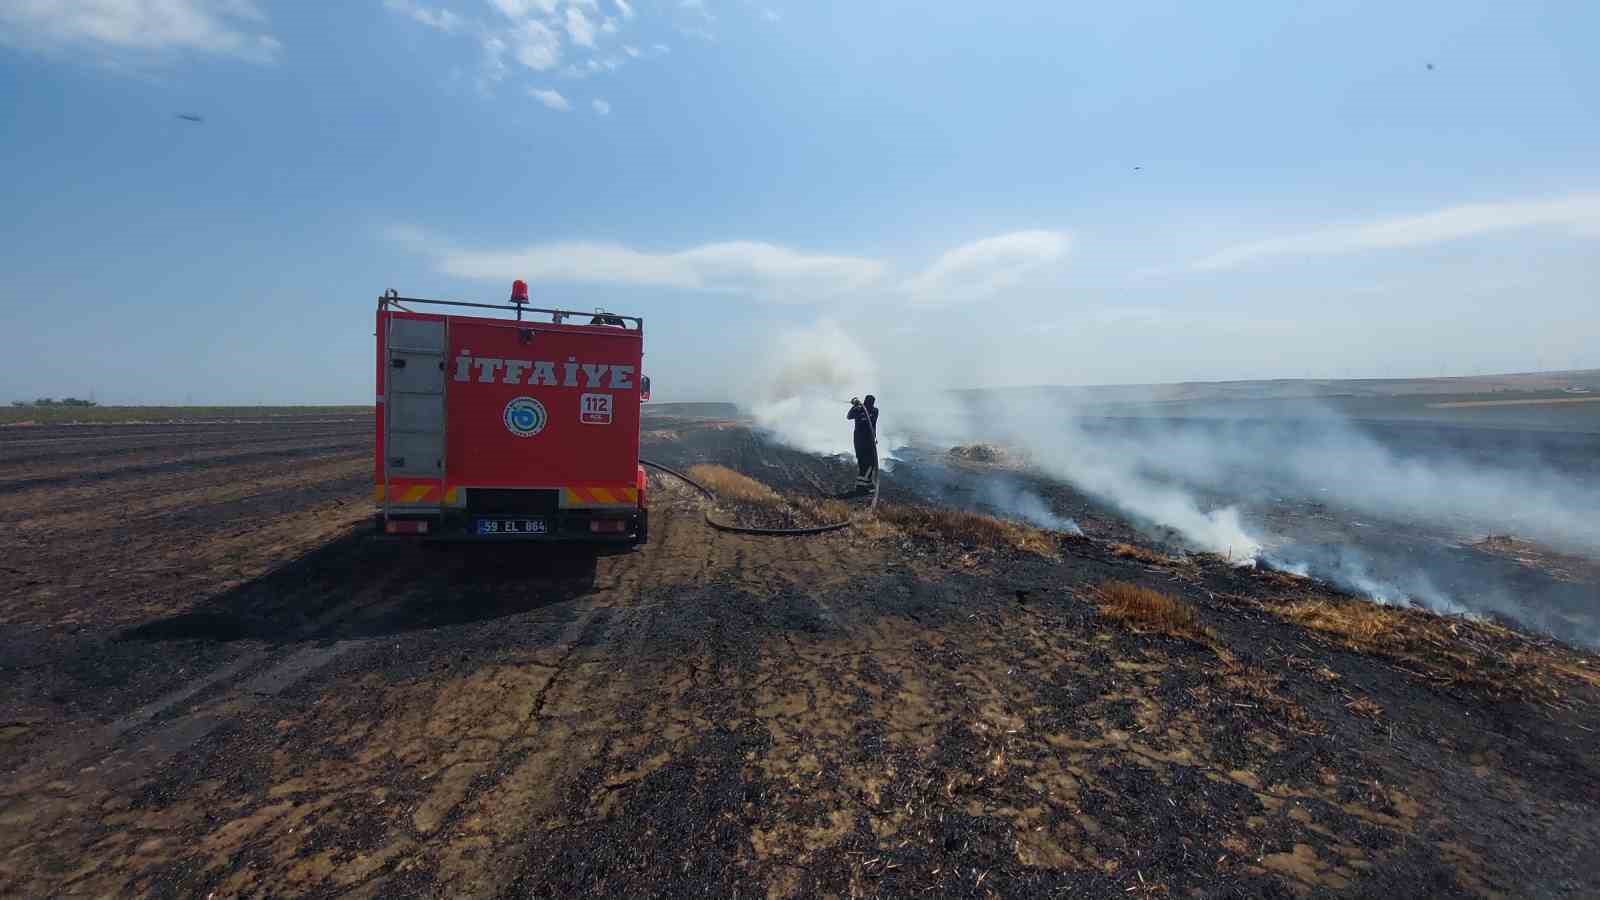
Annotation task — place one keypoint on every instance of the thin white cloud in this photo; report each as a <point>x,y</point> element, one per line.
<point>494,58</point>
<point>760,270</point>
<point>231,28</point>
<point>601,107</point>
<point>986,267</point>
<point>522,9</point>
<point>550,98</point>
<point>433,17</point>
<point>757,269</point>
<point>537,46</point>
<point>541,35</point>
<point>593,66</point>
<point>579,29</point>
<point>772,15</point>
<point>1580,213</point>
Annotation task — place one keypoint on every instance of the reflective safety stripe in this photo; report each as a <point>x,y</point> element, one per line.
<point>431,493</point>
<point>426,493</point>
<point>614,495</point>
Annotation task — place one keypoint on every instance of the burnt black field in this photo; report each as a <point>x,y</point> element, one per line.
<point>246,692</point>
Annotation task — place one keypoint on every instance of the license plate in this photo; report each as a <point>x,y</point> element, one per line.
<point>510,526</point>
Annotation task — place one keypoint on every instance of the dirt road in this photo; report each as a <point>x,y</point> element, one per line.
<point>214,680</point>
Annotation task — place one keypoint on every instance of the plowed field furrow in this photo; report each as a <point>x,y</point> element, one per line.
<point>132,498</point>
<point>127,469</point>
<point>68,457</point>
<point>96,436</point>
<point>150,573</point>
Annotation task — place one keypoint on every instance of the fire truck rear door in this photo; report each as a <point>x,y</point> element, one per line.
<point>414,440</point>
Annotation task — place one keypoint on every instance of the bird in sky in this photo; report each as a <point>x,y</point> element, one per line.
<point>190,117</point>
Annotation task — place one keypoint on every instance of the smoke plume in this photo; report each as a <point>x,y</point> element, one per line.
<point>1379,514</point>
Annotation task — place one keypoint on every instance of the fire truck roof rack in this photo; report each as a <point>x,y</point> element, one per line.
<point>392,299</point>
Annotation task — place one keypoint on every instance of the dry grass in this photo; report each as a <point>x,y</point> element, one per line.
<point>1142,554</point>
<point>1365,706</point>
<point>824,511</point>
<point>730,485</point>
<point>1365,625</point>
<point>1446,650</point>
<point>972,529</point>
<point>1262,686</point>
<point>875,529</point>
<point>736,487</point>
<point>1148,610</point>
<point>982,453</point>
<point>1577,569</point>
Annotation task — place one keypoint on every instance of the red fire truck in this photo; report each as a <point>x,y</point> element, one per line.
<point>508,423</point>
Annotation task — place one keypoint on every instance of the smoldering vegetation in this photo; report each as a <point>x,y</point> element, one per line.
<point>1388,510</point>
<point>1385,510</point>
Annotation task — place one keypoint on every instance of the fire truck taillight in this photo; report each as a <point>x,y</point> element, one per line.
<point>519,291</point>
<point>607,526</point>
<point>406,526</point>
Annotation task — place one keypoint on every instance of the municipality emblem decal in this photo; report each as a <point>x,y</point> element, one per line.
<point>525,417</point>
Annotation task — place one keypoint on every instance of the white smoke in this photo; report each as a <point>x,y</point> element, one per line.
<point>1325,455</point>
<point>1158,472</point>
<point>812,373</point>
<point>1021,503</point>
<point>1061,448</point>
<point>803,394</point>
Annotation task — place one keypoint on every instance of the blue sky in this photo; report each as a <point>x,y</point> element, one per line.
<point>979,194</point>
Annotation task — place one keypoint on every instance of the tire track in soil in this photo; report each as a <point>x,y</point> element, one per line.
<point>476,796</point>
<point>44,803</point>
<point>201,544</point>
<point>186,718</point>
<point>598,673</point>
<point>666,782</point>
<point>281,670</point>
<point>50,794</point>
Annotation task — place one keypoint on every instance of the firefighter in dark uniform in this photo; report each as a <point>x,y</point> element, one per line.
<point>865,415</point>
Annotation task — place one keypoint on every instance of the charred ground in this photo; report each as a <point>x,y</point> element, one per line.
<point>215,680</point>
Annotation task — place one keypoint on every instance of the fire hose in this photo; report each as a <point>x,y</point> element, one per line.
<point>775,532</point>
